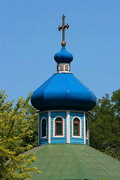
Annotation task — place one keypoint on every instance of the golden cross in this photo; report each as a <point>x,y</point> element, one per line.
<point>63,27</point>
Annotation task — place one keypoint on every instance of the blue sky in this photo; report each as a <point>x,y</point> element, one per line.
<point>29,39</point>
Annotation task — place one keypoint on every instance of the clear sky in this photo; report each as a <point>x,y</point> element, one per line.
<point>29,39</point>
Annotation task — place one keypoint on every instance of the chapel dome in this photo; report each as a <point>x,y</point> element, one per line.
<point>63,91</point>
<point>63,56</point>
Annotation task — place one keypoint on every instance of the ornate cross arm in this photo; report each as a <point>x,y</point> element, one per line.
<point>63,27</point>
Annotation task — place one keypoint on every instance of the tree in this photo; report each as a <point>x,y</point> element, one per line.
<point>32,118</point>
<point>105,125</point>
<point>14,128</point>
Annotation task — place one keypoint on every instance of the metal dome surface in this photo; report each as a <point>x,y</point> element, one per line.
<point>63,91</point>
<point>63,56</point>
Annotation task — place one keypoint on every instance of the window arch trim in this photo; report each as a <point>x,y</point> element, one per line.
<point>80,127</point>
<point>54,135</point>
<point>41,127</point>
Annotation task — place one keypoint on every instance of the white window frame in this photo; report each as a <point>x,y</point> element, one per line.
<point>79,127</point>
<point>41,128</point>
<point>54,127</point>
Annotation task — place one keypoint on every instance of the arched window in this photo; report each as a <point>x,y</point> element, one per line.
<point>76,127</point>
<point>43,127</point>
<point>58,126</point>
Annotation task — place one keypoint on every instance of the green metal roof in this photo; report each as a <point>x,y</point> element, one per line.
<point>68,161</point>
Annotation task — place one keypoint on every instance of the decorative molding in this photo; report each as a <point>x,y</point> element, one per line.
<point>49,127</point>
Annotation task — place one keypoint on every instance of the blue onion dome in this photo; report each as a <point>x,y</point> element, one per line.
<point>63,91</point>
<point>63,56</point>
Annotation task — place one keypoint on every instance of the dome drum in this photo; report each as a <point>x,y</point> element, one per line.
<point>63,67</point>
<point>56,127</point>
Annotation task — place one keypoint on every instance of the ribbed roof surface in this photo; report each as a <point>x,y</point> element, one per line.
<point>63,91</point>
<point>70,161</point>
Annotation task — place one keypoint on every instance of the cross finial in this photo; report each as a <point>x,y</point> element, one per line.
<point>63,27</point>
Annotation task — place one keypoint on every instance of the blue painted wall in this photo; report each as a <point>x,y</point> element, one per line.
<point>55,140</point>
<point>43,141</point>
<point>74,140</point>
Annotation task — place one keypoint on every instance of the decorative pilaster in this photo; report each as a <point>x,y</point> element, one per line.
<point>49,127</point>
<point>68,126</point>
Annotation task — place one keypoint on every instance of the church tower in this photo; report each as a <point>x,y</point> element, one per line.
<point>63,103</point>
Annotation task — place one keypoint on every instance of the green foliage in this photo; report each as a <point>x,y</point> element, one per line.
<point>16,135</point>
<point>105,125</point>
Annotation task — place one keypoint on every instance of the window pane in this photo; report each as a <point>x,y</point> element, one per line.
<point>76,127</point>
<point>61,67</point>
<point>66,67</point>
<point>59,128</point>
<point>58,119</point>
<point>43,128</point>
<point>76,120</point>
